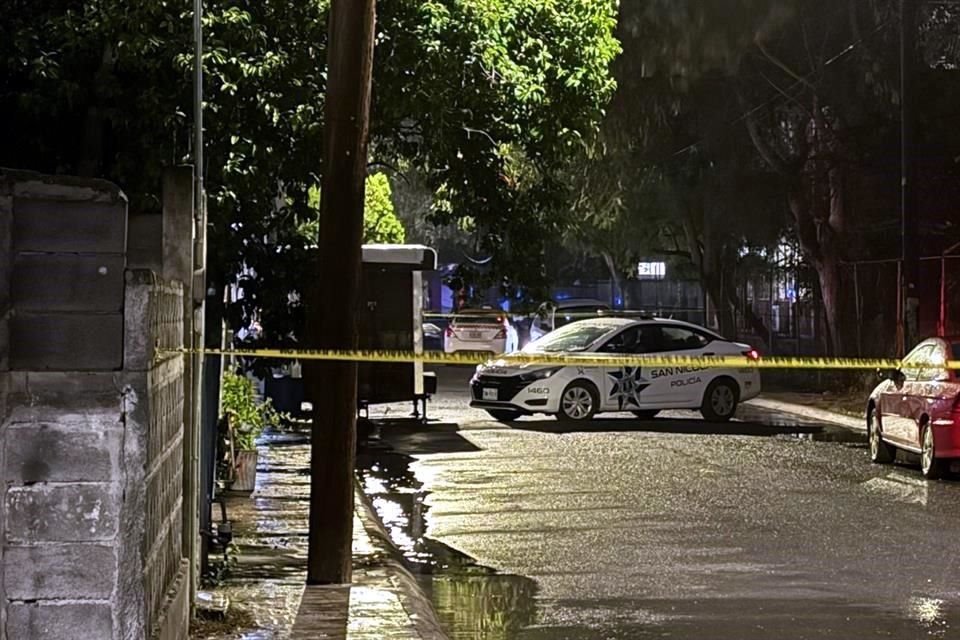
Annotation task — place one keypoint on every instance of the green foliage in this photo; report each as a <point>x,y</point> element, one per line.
<point>463,91</point>
<point>248,416</point>
<point>380,222</point>
<point>488,87</point>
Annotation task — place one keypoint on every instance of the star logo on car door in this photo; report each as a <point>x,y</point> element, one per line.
<point>627,385</point>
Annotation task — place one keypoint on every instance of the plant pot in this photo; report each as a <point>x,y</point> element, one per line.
<point>245,469</point>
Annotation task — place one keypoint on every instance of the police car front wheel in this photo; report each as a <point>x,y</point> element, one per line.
<point>579,402</point>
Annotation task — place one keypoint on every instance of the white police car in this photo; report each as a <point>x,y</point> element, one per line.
<point>509,390</point>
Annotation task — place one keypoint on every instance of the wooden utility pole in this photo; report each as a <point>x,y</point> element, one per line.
<point>336,286</point>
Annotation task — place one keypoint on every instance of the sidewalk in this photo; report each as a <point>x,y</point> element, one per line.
<point>808,405</point>
<point>383,602</point>
<point>266,583</point>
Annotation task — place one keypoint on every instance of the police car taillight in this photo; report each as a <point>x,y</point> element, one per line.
<point>752,354</point>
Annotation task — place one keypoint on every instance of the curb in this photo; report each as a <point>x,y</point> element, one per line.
<point>804,411</point>
<point>415,602</point>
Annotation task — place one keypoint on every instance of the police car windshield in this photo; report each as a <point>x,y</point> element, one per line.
<point>573,337</point>
<point>567,315</point>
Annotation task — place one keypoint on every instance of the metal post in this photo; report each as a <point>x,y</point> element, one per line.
<point>900,336</point>
<point>859,310</point>
<point>191,471</point>
<point>908,206</point>
<point>942,322</point>
<point>942,326</point>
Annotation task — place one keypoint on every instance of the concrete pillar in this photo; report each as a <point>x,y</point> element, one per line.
<point>178,265</point>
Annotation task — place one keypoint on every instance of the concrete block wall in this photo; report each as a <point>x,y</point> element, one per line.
<point>153,409</point>
<point>93,489</point>
<point>90,461</point>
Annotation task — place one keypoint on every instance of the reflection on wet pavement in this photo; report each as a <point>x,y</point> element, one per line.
<point>270,533</point>
<point>472,601</point>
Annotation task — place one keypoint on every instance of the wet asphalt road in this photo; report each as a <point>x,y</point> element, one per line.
<point>763,528</point>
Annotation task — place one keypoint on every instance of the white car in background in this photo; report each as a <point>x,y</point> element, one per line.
<point>480,330</point>
<point>577,393</point>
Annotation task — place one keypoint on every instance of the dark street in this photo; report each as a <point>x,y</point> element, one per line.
<point>768,527</point>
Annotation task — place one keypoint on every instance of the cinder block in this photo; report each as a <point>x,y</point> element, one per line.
<point>62,513</point>
<point>67,392</point>
<point>65,226</point>
<point>59,621</point>
<point>51,453</point>
<point>66,342</point>
<point>81,571</point>
<point>68,282</point>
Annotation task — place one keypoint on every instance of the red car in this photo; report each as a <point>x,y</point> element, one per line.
<point>917,408</point>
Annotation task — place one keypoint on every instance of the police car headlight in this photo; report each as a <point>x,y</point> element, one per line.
<point>539,374</point>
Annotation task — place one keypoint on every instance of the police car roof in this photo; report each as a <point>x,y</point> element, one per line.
<point>580,302</point>
<point>615,321</point>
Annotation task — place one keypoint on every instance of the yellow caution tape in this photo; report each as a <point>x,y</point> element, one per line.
<point>576,360</point>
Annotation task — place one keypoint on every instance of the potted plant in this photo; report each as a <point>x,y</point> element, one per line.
<point>246,417</point>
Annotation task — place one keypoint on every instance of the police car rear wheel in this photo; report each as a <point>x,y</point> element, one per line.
<point>720,400</point>
<point>578,403</point>
<point>503,415</point>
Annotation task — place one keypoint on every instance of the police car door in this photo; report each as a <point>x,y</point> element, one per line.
<point>681,384</point>
<point>630,388</point>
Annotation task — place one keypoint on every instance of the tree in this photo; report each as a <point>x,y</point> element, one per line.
<point>793,102</point>
<point>674,177</point>
<point>522,83</point>
<point>380,222</point>
<point>460,88</point>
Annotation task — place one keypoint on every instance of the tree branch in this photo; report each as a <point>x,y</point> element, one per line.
<point>780,64</point>
<point>769,155</point>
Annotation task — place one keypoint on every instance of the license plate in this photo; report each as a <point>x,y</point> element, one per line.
<point>474,335</point>
<point>489,394</point>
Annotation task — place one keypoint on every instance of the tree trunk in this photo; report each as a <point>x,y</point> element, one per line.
<point>726,318</point>
<point>828,274</point>
<point>333,385</point>
<point>710,276</point>
<point>818,209</point>
<point>614,277</point>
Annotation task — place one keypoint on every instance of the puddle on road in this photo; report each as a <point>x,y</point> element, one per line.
<point>472,601</point>
<point>827,434</point>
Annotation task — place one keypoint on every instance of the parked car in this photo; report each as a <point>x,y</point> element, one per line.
<point>553,315</point>
<point>432,337</point>
<point>916,408</point>
<point>480,330</point>
<point>575,393</point>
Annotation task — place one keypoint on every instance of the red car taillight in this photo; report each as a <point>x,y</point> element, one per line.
<point>752,354</point>
<point>449,331</point>
<point>503,329</point>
